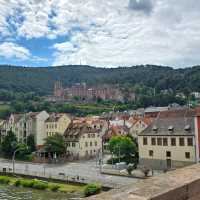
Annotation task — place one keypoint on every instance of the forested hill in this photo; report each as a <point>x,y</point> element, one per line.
<point>41,80</point>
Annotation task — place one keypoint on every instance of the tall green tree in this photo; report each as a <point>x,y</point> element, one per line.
<point>123,147</point>
<point>31,143</point>
<point>9,144</point>
<point>55,144</point>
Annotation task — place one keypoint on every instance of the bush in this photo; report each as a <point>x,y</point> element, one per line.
<point>40,185</point>
<point>54,187</point>
<point>4,179</point>
<point>92,189</point>
<point>17,182</point>
<point>26,183</point>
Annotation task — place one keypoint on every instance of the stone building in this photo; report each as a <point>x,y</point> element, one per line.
<point>83,140</point>
<point>171,141</point>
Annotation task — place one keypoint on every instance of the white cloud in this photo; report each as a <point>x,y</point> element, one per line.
<point>12,50</point>
<point>109,32</point>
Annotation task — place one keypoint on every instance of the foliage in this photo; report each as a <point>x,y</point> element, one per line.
<point>23,151</point>
<point>40,185</point>
<point>31,143</point>
<point>92,189</point>
<point>26,183</point>
<point>123,147</point>
<point>54,187</point>
<point>4,179</point>
<point>9,144</point>
<point>55,144</point>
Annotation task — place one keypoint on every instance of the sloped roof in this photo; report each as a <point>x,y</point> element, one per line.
<point>178,120</point>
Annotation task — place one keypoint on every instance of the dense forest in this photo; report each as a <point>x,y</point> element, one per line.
<point>41,80</point>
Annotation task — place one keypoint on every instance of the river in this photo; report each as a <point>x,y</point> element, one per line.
<point>15,193</point>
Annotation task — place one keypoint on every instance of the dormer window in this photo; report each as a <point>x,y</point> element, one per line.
<point>170,128</point>
<point>155,128</point>
<point>187,128</point>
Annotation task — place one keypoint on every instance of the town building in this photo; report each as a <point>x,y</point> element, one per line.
<point>23,125</point>
<point>171,141</point>
<point>139,125</point>
<point>83,140</point>
<point>57,123</point>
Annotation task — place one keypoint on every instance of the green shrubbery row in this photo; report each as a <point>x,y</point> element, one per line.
<point>4,180</point>
<point>90,189</point>
<point>32,183</point>
<point>36,184</point>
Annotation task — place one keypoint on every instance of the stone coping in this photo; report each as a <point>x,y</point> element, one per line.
<point>180,184</point>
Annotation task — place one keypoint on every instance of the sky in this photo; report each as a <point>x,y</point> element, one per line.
<point>103,33</point>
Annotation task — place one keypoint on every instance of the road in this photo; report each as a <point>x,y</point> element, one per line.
<point>84,171</point>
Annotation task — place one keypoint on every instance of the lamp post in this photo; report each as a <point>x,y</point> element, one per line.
<point>13,159</point>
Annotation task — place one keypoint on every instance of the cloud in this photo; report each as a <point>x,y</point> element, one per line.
<point>12,50</point>
<point>105,33</point>
<point>145,6</point>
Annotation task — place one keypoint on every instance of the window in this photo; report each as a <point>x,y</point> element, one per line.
<point>150,153</point>
<point>47,126</point>
<point>187,155</point>
<point>173,141</point>
<point>181,142</point>
<point>145,141</point>
<point>73,144</point>
<point>165,142</point>
<point>190,141</point>
<point>90,143</point>
<point>86,144</point>
<point>55,126</point>
<point>159,141</point>
<point>168,153</point>
<point>95,143</point>
<point>153,141</point>
<point>88,135</point>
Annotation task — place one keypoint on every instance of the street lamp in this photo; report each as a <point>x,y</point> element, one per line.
<point>13,157</point>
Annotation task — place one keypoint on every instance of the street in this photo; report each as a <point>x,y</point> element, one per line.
<point>82,171</point>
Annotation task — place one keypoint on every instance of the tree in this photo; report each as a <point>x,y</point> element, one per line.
<point>55,144</point>
<point>9,144</point>
<point>31,143</point>
<point>123,147</point>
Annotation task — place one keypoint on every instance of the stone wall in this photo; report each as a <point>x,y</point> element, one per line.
<point>181,184</point>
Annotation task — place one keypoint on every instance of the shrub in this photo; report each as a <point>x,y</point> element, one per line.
<point>92,189</point>
<point>17,182</point>
<point>4,179</point>
<point>54,187</point>
<point>27,183</point>
<point>40,185</point>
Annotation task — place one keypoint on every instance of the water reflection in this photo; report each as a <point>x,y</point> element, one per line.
<point>14,193</point>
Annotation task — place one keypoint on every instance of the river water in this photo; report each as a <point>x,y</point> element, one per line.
<point>14,193</point>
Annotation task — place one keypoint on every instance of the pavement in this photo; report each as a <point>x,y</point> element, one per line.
<point>81,171</point>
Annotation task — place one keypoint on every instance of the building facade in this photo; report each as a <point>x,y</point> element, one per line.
<point>57,123</point>
<point>23,125</point>
<point>83,140</point>
<point>171,141</point>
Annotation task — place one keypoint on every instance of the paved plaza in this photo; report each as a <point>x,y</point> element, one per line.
<point>82,171</point>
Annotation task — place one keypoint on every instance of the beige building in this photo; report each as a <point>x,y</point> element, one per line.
<point>57,123</point>
<point>23,125</point>
<point>170,141</point>
<point>140,125</point>
<point>83,140</point>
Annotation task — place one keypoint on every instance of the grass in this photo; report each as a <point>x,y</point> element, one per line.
<point>41,185</point>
